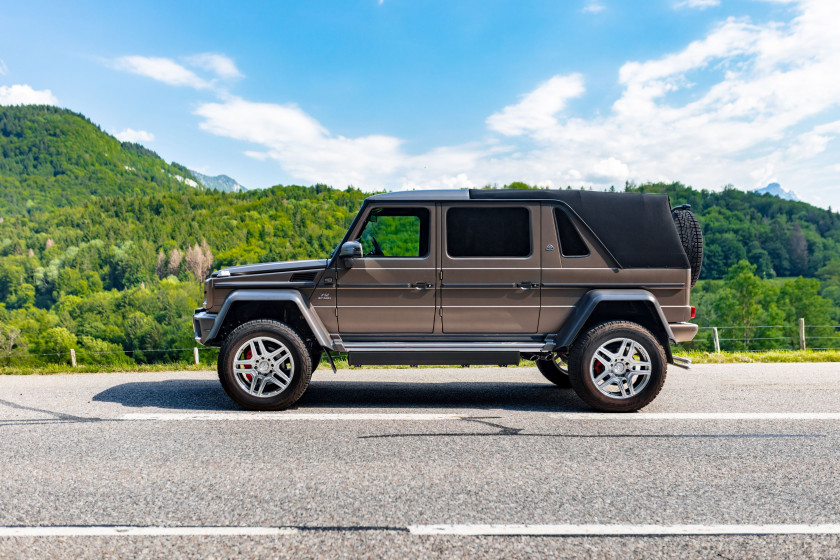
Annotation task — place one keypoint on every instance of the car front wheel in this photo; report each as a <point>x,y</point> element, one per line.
<point>264,365</point>
<point>617,367</point>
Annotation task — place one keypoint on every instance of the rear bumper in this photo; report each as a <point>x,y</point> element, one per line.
<point>203,325</point>
<point>683,332</point>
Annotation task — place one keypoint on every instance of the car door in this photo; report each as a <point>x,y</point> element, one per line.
<point>391,289</point>
<point>490,268</point>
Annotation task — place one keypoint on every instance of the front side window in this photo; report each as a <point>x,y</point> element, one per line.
<point>488,232</point>
<point>396,232</point>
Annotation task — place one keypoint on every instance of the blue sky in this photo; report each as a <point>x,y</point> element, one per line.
<point>419,94</point>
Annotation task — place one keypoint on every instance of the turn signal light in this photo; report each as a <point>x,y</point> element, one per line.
<point>693,312</point>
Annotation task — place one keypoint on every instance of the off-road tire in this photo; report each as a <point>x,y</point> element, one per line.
<point>553,373</point>
<point>301,364</point>
<point>581,358</point>
<point>691,237</point>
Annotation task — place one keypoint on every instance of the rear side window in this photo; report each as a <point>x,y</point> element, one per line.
<point>488,232</point>
<point>571,243</point>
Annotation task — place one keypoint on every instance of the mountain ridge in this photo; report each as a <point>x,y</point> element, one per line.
<point>53,157</point>
<point>775,189</point>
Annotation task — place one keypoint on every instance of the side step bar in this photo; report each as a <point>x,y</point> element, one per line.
<point>437,358</point>
<point>444,346</point>
<point>440,353</point>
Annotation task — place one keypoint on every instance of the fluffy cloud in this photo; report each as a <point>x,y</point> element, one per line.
<point>131,135</point>
<point>746,104</point>
<point>20,94</point>
<point>219,64</point>
<point>174,73</point>
<point>700,4</point>
<point>161,69</point>
<point>536,112</point>
<point>593,7</point>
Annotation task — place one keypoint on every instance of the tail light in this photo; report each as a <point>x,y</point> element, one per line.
<point>693,312</point>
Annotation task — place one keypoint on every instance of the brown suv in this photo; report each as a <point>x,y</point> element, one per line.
<point>594,286</point>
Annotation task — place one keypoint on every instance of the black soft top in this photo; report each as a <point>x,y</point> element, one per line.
<point>636,228</point>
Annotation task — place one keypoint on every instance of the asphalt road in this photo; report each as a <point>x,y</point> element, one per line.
<point>446,463</point>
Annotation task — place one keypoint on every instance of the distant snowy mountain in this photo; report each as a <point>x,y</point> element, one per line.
<point>219,182</point>
<point>776,189</point>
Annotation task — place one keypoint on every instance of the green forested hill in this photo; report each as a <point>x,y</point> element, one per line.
<point>780,237</point>
<point>53,157</point>
<point>102,249</point>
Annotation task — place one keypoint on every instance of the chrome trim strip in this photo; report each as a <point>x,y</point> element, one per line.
<point>608,285</point>
<point>263,284</point>
<point>375,285</point>
<point>479,285</point>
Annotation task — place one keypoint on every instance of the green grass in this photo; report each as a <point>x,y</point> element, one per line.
<point>765,357</point>
<point>50,369</point>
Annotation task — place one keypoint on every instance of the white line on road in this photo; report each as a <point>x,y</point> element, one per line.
<point>623,530</point>
<point>700,416</point>
<point>110,531</point>
<point>165,416</point>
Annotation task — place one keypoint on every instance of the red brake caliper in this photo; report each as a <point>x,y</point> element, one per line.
<point>247,366</point>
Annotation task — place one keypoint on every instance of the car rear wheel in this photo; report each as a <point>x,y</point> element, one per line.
<point>264,365</point>
<point>617,367</point>
<point>555,369</point>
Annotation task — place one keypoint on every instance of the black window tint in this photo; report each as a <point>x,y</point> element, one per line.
<point>488,232</point>
<point>571,243</point>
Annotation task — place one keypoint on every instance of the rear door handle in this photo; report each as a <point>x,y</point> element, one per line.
<point>527,285</point>
<point>423,285</point>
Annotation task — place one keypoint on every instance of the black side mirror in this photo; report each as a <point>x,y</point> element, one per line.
<point>349,251</point>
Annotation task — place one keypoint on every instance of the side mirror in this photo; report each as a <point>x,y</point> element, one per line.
<point>349,251</point>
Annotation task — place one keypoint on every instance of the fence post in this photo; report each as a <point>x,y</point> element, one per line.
<point>802,333</point>
<point>717,340</point>
<point>72,357</point>
<point>195,354</point>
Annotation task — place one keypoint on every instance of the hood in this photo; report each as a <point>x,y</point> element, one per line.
<point>263,268</point>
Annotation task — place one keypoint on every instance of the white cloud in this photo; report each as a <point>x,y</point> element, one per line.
<point>593,7</point>
<point>537,109</point>
<point>747,103</point>
<point>161,69</point>
<point>219,64</point>
<point>131,135</point>
<point>21,94</point>
<point>699,4</point>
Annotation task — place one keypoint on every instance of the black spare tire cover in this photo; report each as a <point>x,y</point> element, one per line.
<point>691,237</point>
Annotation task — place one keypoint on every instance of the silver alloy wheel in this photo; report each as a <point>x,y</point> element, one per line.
<point>263,367</point>
<point>620,368</point>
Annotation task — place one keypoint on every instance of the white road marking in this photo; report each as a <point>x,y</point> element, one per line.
<point>170,416</point>
<point>699,416</point>
<point>623,530</point>
<point>109,531</point>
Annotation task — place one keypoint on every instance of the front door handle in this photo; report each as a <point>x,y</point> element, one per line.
<point>527,285</point>
<point>423,285</point>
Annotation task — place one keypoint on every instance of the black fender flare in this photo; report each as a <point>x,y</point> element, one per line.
<point>589,302</point>
<point>294,296</point>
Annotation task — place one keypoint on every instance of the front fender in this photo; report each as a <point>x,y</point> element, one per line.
<point>207,335</point>
<point>587,304</point>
